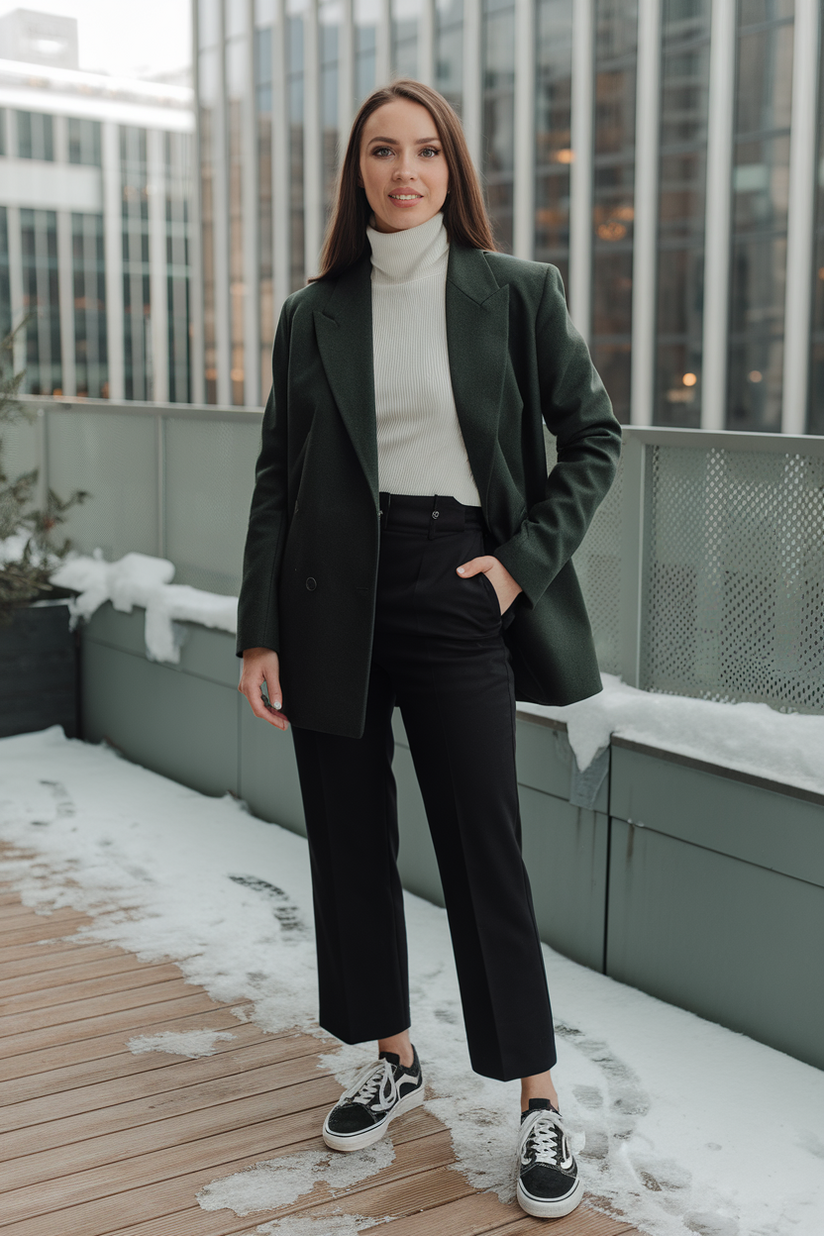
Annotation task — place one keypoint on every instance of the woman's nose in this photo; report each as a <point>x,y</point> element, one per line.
<point>405,169</point>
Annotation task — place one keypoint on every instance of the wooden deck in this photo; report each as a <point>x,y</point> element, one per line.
<point>96,1140</point>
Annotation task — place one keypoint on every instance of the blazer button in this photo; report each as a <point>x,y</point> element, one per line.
<point>311,584</point>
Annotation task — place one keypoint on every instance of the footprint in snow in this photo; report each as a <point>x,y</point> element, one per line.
<point>286,913</point>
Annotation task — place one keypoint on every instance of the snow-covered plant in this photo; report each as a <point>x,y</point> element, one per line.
<point>29,552</point>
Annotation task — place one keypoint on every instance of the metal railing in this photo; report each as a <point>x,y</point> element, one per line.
<point>703,569</point>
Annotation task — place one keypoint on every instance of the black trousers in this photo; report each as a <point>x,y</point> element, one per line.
<point>439,655</point>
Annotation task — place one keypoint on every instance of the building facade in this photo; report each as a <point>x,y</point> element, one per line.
<point>95,224</point>
<point>666,155</point>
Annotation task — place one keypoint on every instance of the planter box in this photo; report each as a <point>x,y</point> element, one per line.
<point>39,670</point>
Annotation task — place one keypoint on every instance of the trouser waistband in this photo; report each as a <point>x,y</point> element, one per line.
<point>427,516</point>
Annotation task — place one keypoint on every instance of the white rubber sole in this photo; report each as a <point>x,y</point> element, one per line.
<point>357,1141</point>
<point>550,1210</point>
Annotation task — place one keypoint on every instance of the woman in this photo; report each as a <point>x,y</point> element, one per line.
<point>406,547</point>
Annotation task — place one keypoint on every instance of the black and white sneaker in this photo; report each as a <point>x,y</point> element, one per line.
<point>548,1182</point>
<point>383,1090</point>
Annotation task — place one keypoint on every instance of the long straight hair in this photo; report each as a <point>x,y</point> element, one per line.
<point>464,212</point>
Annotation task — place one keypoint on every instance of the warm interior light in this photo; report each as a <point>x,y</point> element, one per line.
<point>689,379</point>
<point>236,375</point>
<point>755,375</point>
<point>564,156</point>
<point>612,230</point>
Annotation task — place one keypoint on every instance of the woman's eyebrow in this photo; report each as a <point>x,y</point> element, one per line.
<point>393,141</point>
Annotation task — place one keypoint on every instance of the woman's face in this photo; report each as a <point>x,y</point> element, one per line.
<point>403,169</point>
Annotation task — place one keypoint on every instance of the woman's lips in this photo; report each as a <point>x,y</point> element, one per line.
<point>405,199</point>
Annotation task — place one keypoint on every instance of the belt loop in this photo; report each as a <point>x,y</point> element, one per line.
<point>434,516</point>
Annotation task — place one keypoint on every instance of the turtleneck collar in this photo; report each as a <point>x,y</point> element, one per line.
<point>409,254</point>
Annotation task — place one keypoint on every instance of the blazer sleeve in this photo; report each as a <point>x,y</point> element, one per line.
<point>578,412</point>
<point>257,617</point>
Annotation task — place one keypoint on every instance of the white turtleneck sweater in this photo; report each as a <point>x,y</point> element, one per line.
<point>420,445</point>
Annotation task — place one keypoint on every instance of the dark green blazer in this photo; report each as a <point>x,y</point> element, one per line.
<point>311,557</point>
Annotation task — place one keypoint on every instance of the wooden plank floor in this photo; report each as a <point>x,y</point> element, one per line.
<point>95,1140</point>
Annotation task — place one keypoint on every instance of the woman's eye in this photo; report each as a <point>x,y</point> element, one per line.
<point>430,151</point>
<point>380,151</point>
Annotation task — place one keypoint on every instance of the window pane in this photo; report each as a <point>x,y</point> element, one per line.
<point>760,184</point>
<point>263,97</point>
<point>499,116</point>
<point>89,279</point>
<point>616,32</point>
<point>207,97</point>
<point>681,211</point>
<point>295,102</point>
<point>553,143</point>
<point>236,73</point>
<point>178,159</point>
<point>84,142</point>
<point>449,51</point>
<point>5,286</point>
<point>137,307</point>
<point>367,16</point>
<point>329,15</point>
<point>35,139</point>
<point>406,16</point>
<point>38,237</point>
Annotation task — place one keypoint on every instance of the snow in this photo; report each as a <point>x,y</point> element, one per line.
<point>139,579</point>
<point>190,1043</point>
<point>752,738</point>
<point>682,1126</point>
<point>278,1182</point>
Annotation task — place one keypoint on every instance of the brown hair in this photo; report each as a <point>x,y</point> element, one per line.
<point>464,212</point>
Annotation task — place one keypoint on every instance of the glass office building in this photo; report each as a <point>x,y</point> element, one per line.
<point>96,189</point>
<point>666,155</point>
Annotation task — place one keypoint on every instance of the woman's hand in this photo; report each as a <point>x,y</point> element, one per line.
<point>505,587</point>
<point>261,665</point>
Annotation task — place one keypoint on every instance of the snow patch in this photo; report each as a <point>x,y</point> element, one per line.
<point>139,579</point>
<point>279,1182</point>
<point>191,1043</point>
<point>751,738</point>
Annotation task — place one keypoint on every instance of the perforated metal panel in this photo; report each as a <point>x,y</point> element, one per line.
<point>734,577</point>
<point>598,566</point>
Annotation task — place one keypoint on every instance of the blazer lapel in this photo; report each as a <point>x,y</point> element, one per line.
<point>477,330</point>
<point>343,330</point>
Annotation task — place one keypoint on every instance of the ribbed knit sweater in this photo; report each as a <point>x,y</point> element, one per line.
<point>420,445</point>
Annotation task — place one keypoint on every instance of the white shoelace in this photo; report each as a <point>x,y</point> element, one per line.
<point>542,1139</point>
<point>374,1087</point>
